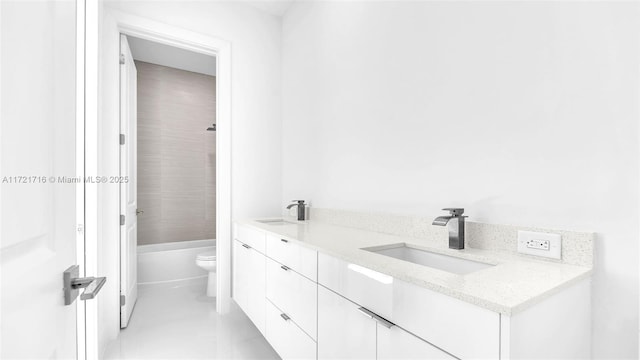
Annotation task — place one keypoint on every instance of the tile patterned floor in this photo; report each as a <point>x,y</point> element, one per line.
<point>180,322</point>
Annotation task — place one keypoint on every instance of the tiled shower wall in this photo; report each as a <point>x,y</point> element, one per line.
<point>176,155</point>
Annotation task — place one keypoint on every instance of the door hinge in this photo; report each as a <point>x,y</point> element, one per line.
<point>121,219</point>
<point>121,139</point>
<point>123,300</point>
<point>121,59</point>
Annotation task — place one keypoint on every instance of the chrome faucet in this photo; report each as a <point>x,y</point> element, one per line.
<point>300,204</point>
<point>456,232</point>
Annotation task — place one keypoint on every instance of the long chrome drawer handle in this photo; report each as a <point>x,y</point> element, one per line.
<point>246,246</point>
<point>284,240</point>
<point>379,319</point>
<point>285,268</point>
<point>285,316</point>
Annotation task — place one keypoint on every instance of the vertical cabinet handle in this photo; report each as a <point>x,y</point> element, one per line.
<point>379,319</point>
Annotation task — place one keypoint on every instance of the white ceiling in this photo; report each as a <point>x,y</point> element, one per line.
<point>273,7</point>
<point>160,54</point>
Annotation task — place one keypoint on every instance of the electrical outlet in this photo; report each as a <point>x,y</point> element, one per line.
<point>540,244</point>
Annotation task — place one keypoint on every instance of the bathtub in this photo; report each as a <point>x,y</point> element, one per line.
<point>171,262</point>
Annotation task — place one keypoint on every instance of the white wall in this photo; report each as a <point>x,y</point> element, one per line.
<point>256,104</point>
<point>523,113</point>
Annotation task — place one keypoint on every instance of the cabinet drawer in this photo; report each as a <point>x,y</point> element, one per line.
<point>298,258</point>
<point>289,341</point>
<point>293,294</point>
<point>462,329</point>
<point>363,286</point>
<point>252,237</point>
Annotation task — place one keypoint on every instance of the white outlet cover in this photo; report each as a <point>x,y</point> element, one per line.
<point>555,240</point>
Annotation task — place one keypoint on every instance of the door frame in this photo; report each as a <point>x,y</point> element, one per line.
<point>151,30</point>
<point>185,39</point>
<point>177,37</point>
<point>81,329</point>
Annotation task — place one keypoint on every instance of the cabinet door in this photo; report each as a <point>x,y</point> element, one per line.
<point>256,266</point>
<point>343,331</point>
<point>395,343</point>
<point>240,280</point>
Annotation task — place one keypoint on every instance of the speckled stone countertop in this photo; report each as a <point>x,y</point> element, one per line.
<point>512,285</point>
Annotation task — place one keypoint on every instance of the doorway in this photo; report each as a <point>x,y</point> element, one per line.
<point>104,324</point>
<point>168,170</point>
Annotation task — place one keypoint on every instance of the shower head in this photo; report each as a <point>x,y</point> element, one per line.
<point>212,128</point>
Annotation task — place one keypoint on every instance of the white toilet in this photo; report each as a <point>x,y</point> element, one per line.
<point>207,261</point>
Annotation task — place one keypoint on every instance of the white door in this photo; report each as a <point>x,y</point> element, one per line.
<point>41,145</point>
<point>128,186</point>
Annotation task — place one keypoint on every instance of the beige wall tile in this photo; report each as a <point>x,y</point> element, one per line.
<point>176,155</point>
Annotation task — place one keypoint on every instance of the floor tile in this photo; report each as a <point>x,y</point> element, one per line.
<point>180,322</point>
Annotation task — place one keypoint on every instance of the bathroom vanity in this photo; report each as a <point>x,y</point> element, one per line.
<point>321,291</point>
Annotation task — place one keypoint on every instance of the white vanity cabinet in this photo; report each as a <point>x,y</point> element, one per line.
<point>436,318</point>
<point>466,331</point>
<point>312,305</point>
<point>249,282</point>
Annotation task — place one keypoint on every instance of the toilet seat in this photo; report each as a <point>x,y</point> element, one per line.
<point>206,256</point>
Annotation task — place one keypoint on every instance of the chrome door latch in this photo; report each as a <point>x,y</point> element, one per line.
<point>72,284</point>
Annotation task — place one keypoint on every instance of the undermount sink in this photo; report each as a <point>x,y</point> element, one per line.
<point>276,222</point>
<point>427,258</point>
